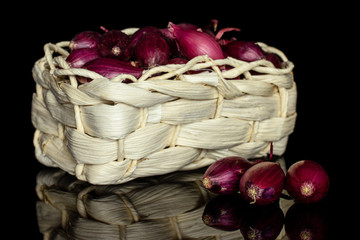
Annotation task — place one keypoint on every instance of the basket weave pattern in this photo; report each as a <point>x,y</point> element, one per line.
<point>108,132</point>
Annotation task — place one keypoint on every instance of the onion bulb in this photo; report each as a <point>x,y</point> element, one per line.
<point>307,181</point>
<point>223,176</point>
<point>262,183</point>
<point>85,39</point>
<point>152,50</point>
<point>243,50</point>
<point>79,57</point>
<point>115,44</point>
<point>193,43</point>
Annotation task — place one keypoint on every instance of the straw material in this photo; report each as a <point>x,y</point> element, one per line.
<point>166,207</point>
<point>108,132</point>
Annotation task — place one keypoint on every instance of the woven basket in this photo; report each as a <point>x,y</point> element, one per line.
<point>168,207</point>
<point>108,132</point>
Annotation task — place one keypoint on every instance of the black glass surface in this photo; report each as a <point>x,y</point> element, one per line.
<point>171,206</point>
<point>310,36</point>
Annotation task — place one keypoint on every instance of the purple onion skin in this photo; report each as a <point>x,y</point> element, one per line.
<point>223,176</point>
<point>243,50</point>
<point>307,181</point>
<point>110,67</point>
<point>193,43</point>
<point>224,212</point>
<point>188,26</point>
<point>86,39</point>
<point>115,44</point>
<point>141,32</point>
<point>274,59</point>
<point>177,61</point>
<point>262,183</point>
<point>79,57</point>
<point>152,50</point>
<point>173,46</point>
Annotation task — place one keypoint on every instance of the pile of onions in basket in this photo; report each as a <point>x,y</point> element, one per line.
<point>113,52</point>
<point>262,182</point>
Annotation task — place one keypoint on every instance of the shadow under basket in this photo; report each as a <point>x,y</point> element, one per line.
<point>174,117</point>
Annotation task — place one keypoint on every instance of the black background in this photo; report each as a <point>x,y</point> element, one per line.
<point>314,37</point>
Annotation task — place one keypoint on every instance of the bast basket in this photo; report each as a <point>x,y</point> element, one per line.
<point>174,117</point>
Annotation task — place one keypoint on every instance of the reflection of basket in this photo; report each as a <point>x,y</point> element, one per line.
<point>163,207</point>
<point>168,207</point>
<point>108,132</point>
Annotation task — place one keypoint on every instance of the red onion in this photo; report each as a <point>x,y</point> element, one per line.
<point>307,181</point>
<point>188,26</point>
<point>86,39</point>
<point>177,61</point>
<point>152,50</point>
<point>223,176</point>
<point>78,57</point>
<point>115,44</point>
<point>262,183</point>
<point>109,67</point>
<point>261,222</point>
<point>243,50</point>
<point>306,222</point>
<point>141,32</point>
<point>173,46</point>
<point>224,212</point>
<point>274,59</point>
<point>193,43</point>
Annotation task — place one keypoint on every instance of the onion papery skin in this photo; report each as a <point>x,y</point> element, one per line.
<point>306,222</point>
<point>307,181</point>
<point>140,33</point>
<point>188,26</point>
<point>177,61</point>
<point>85,39</point>
<point>243,50</point>
<point>79,57</point>
<point>223,176</point>
<point>152,50</point>
<point>193,43</point>
<point>109,67</point>
<point>263,183</point>
<point>274,59</point>
<point>262,222</point>
<point>224,212</point>
<point>115,44</point>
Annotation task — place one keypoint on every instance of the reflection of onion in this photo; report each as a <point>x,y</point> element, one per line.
<point>262,222</point>
<point>305,222</point>
<point>224,212</point>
